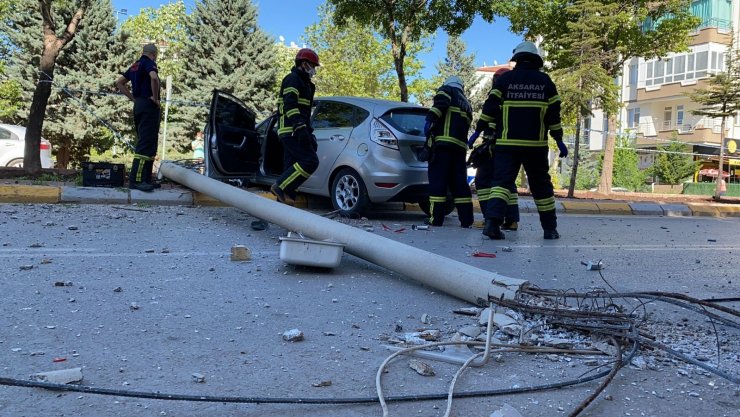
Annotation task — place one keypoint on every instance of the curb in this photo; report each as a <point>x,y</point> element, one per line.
<point>44,194</point>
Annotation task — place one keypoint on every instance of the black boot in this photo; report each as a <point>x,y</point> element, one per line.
<point>493,230</point>
<point>552,234</point>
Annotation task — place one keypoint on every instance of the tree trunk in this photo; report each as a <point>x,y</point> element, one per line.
<point>63,157</point>
<point>399,54</point>
<point>32,152</point>
<point>576,147</point>
<point>718,188</point>
<point>607,168</point>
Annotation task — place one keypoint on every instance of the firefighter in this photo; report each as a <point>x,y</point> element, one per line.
<point>522,108</point>
<point>447,124</point>
<point>144,93</point>
<point>484,176</point>
<point>294,127</point>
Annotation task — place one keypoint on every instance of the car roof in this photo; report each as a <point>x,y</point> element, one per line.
<point>379,105</point>
<point>18,130</point>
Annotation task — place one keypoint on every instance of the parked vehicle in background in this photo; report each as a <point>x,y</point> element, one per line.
<point>366,148</point>
<point>12,147</point>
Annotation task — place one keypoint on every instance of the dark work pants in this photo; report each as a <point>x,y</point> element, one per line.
<point>483,181</point>
<point>299,161</point>
<point>448,171</point>
<point>146,118</point>
<point>506,162</point>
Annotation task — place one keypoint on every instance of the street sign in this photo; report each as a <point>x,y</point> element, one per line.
<point>732,146</point>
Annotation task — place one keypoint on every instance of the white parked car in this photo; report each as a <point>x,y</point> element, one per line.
<point>12,147</point>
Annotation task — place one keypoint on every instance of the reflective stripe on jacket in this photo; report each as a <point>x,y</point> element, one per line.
<point>451,114</point>
<point>295,101</point>
<point>521,108</point>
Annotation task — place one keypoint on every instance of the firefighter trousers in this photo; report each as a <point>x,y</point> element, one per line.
<point>299,161</point>
<point>448,171</point>
<point>506,162</point>
<point>483,180</point>
<point>146,119</point>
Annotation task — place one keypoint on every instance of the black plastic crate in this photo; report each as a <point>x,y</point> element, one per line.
<point>102,174</point>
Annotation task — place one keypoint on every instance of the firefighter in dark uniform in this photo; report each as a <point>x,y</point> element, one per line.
<point>447,125</point>
<point>294,126</point>
<point>523,107</point>
<point>145,95</point>
<point>484,175</point>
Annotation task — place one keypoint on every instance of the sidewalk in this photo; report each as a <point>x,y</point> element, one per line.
<point>174,194</point>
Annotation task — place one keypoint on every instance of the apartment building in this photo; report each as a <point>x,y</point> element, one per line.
<point>656,108</point>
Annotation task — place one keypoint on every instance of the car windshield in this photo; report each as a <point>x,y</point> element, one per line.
<point>406,120</point>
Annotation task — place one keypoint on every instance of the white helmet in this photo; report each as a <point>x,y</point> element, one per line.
<point>528,50</point>
<point>454,81</point>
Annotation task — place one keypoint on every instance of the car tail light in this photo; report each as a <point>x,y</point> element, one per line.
<point>45,146</point>
<point>381,135</point>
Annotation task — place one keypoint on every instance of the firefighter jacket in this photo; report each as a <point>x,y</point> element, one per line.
<point>521,108</point>
<point>451,115</point>
<point>294,102</point>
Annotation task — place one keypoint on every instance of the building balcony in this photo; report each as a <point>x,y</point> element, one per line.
<point>661,132</point>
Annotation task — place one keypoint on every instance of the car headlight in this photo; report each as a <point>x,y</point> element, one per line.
<point>381,135</point>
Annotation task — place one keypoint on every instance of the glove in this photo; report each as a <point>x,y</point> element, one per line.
<point>480,155</point>
<point>428,128</point>
<point>298,127</point>
<point>563,148</point>
<point>472,139</point>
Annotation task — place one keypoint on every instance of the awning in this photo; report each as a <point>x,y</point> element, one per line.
<point>712,172</point>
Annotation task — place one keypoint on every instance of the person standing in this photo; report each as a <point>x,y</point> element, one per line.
<point>447,125</point>
<point>484,175</point>
<point>522,108</point>
<point>294,127</point>
<point>145,95</point>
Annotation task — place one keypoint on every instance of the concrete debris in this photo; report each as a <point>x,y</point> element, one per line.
<point>591,362</point>
<point>62,376</point>
<point>426,318</point>
<point>134,306</point>
<point>293,335</point>
<point>470,331</point>
<point>421,338</point>
<point>559,342</point>
<point>484,315</point>
<point>593,265</point>
<point>506,411</point>
<point>507,249</point>
<point>63,284</point>
<point>240,253</point>
<point>73,228</point>
<point>421,368</point>
<point>326,383</point>
<point>199,378</point>
<point>604,347</point>
<point>117,289</point>
<point>468,311</point>
<point>26,267</point>
<point>507,324</point>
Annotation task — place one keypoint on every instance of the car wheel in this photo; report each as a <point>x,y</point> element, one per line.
<point>15,163</point>
<point>348,193</point>
<point>424,205</point>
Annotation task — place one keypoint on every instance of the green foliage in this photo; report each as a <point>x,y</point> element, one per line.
<point>10,96</point>
<point>463,65</point>
<point>627,173</point>
<point>226,50</point>
<point>674,163</point>
<point>284,62</point>
<point>403,22</point>
<point>165,27</point>
<point>355,61</point>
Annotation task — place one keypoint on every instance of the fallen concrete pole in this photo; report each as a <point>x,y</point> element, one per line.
<point>452,277</point>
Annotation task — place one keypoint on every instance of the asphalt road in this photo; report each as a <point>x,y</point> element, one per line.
<point>184,307</point>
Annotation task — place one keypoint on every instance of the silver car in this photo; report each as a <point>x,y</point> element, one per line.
<point>12,147</point>
<point>366,148</point>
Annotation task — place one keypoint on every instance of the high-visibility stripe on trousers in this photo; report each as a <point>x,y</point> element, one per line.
<point>299,160</point>
<point>447,172</point>
<point>146,118</point>
<point>483,180</point>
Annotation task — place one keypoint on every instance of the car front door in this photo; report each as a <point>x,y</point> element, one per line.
<point>232,145</point>
<point>332,122</point>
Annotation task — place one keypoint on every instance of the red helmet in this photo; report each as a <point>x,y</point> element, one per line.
<point>501,71</point>
<point>309,55</point>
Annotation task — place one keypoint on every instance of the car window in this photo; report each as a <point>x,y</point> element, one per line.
<point>360,116</point>
<point>4,133</point>
<point>331,114</point>
<point>406,120</point>
<point>232,114</point>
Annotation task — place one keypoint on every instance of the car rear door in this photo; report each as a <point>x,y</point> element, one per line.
<point>333,122</point>
<point>232,144</point>
<point>11,147</point>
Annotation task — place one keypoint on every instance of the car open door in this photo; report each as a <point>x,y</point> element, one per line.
<point>232,146</point>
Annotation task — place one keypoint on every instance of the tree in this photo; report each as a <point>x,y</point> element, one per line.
<point>355,61</point>
<point>10,94</point>
<point>78,102</point>
<point>721,99</point>
<point>625,29</point>
<point>53,43</point>
<point>582,82</point>
<point>674,163</point>
<point>406,21</point>
<point>458,63</point>
<point>627,172</point>
<point>226,50</point>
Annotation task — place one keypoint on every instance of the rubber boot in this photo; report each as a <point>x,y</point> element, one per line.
<point>493,230</point>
